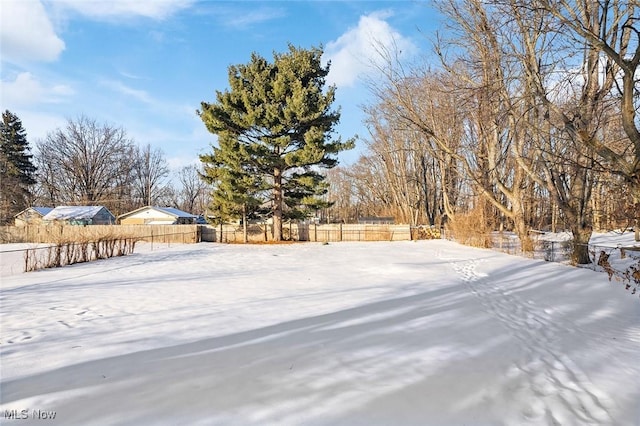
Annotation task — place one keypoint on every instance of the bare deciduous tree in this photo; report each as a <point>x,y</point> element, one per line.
<point>341,194</point>
<point>611,31</point>
<point>150,171</point>
<point>536,107</point>
<point>190,193</point>
<point>562,103</point>
<point>85,163</point>
<point>466,113</point>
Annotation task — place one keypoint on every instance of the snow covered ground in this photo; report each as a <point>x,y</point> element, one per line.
<point>402,333</point>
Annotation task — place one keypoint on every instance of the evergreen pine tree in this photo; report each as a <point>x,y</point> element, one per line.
<point>238,189</point>
<point>274,129</point>
<point>16,168</point>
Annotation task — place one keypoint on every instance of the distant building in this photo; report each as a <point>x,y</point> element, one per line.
<point>151,215</point>
<point>375,220</point>
<point>80,215</point>
<point>31,216</point>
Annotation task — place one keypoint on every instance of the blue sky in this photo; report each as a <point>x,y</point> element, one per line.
<point>146,65</point>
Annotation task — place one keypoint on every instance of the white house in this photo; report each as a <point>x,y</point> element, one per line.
<point>150,215</point>
<point>80,215</point>
<point>31,216</point>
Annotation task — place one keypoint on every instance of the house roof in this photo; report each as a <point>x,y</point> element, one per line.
<point>176,212</point>
<point>167,210</point>
<point>40,210</point>
<point>73,212</point>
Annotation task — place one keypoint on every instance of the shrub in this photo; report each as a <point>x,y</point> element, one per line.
<point>471,229</point>
<point>65,252</point>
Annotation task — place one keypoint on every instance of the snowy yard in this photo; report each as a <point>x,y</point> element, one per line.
<point>402,333</point>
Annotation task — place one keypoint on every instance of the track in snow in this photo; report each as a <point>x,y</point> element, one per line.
<point>558,390</point>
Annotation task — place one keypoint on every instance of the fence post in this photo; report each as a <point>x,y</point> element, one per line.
<point>340,231</point>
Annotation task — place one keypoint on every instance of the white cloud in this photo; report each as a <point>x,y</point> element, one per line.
<point>107,10</point>
<point>130,76</point>
<point>252,18</point>
<point>26,33</point>
<point>357,52</point>
<point>27,90</point>
<point>122,88</point>
<point>238,16</point>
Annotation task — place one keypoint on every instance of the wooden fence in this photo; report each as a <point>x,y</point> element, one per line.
<point>308,232</point>
<point>207,233</point>
<point>72,233</point>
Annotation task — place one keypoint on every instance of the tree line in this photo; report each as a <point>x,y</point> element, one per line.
<point>90,163</point>
<point>527,120</point>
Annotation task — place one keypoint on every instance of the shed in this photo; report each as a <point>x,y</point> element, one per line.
<point>31,216</point>
<point>80,215</point>
<point>151,215</point>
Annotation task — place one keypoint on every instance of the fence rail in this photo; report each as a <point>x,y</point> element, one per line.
<point>210,233</point>
<point>308,232</point>
<point>74,233</point>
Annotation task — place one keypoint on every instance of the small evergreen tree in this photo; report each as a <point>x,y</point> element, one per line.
<point>16,168</point>
<point>274,129</point>
<point>238,190</point>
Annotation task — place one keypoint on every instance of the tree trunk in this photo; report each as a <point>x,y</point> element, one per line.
<point>635,189</point>
<point>523,233</point>
<point>581,236</point>
<point>277,204</point>
<point>244,223</point>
